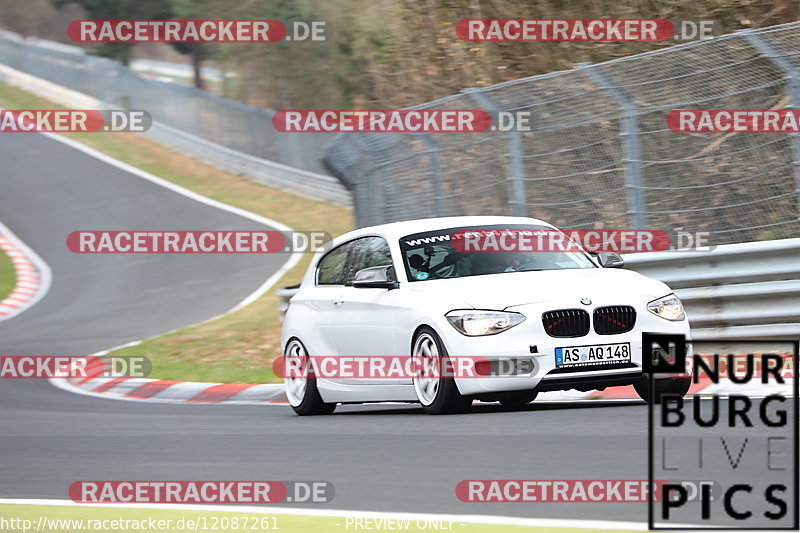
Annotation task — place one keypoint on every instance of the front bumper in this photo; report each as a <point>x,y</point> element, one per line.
<point>529,341</point>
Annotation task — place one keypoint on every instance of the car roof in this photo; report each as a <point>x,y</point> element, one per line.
<point>396,230</point>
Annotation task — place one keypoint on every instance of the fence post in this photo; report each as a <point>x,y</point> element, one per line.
<point>785,65</point>
<point>516,174</point>
<point>435,173</point>
<point>372,185</point>
<point>630,142</point>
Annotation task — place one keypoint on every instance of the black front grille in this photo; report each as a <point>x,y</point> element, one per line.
<point>566,323</point>
<point>614,319</point>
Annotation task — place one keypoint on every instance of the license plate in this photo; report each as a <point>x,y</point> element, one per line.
<point>596,355</point>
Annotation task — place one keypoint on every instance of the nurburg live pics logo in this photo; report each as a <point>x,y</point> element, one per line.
<point>749,443</point>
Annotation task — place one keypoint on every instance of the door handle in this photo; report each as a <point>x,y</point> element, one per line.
<point>338,300</point>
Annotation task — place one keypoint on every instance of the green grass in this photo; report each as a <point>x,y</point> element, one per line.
<point>286,523</point>
<point>239,347</point>
<point>8,276</point>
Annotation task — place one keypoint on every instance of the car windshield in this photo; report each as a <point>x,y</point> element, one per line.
<point>441,254</point>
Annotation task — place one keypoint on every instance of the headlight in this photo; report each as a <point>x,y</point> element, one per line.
<point>475,323</point>
<point>669,307</point>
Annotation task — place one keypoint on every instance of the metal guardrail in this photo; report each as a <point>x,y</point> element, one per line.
<point>735,291</point>
<point>270,173</point>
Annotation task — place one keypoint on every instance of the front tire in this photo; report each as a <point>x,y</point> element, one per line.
<point>663,387</point>
<point>302,391</point>
<point>438,395</point>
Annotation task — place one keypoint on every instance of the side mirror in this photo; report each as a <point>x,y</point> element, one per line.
<point>610,260</point>
<point>380,277</point>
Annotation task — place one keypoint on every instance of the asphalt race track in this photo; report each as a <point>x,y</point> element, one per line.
<point>386,457</point>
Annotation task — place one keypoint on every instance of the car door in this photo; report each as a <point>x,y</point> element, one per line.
<point>322,299</point>
<point>368,321</point>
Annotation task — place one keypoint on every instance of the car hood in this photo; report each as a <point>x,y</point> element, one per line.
<point>509,289</point>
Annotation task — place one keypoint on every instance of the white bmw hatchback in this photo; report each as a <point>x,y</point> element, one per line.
<point>543,320</point>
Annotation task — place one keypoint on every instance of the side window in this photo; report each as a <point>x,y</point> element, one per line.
<point>330,270</point>
<point>368,252</point>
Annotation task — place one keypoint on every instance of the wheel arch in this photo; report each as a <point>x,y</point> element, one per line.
<point>439,336</point>
<point>419,328</point>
